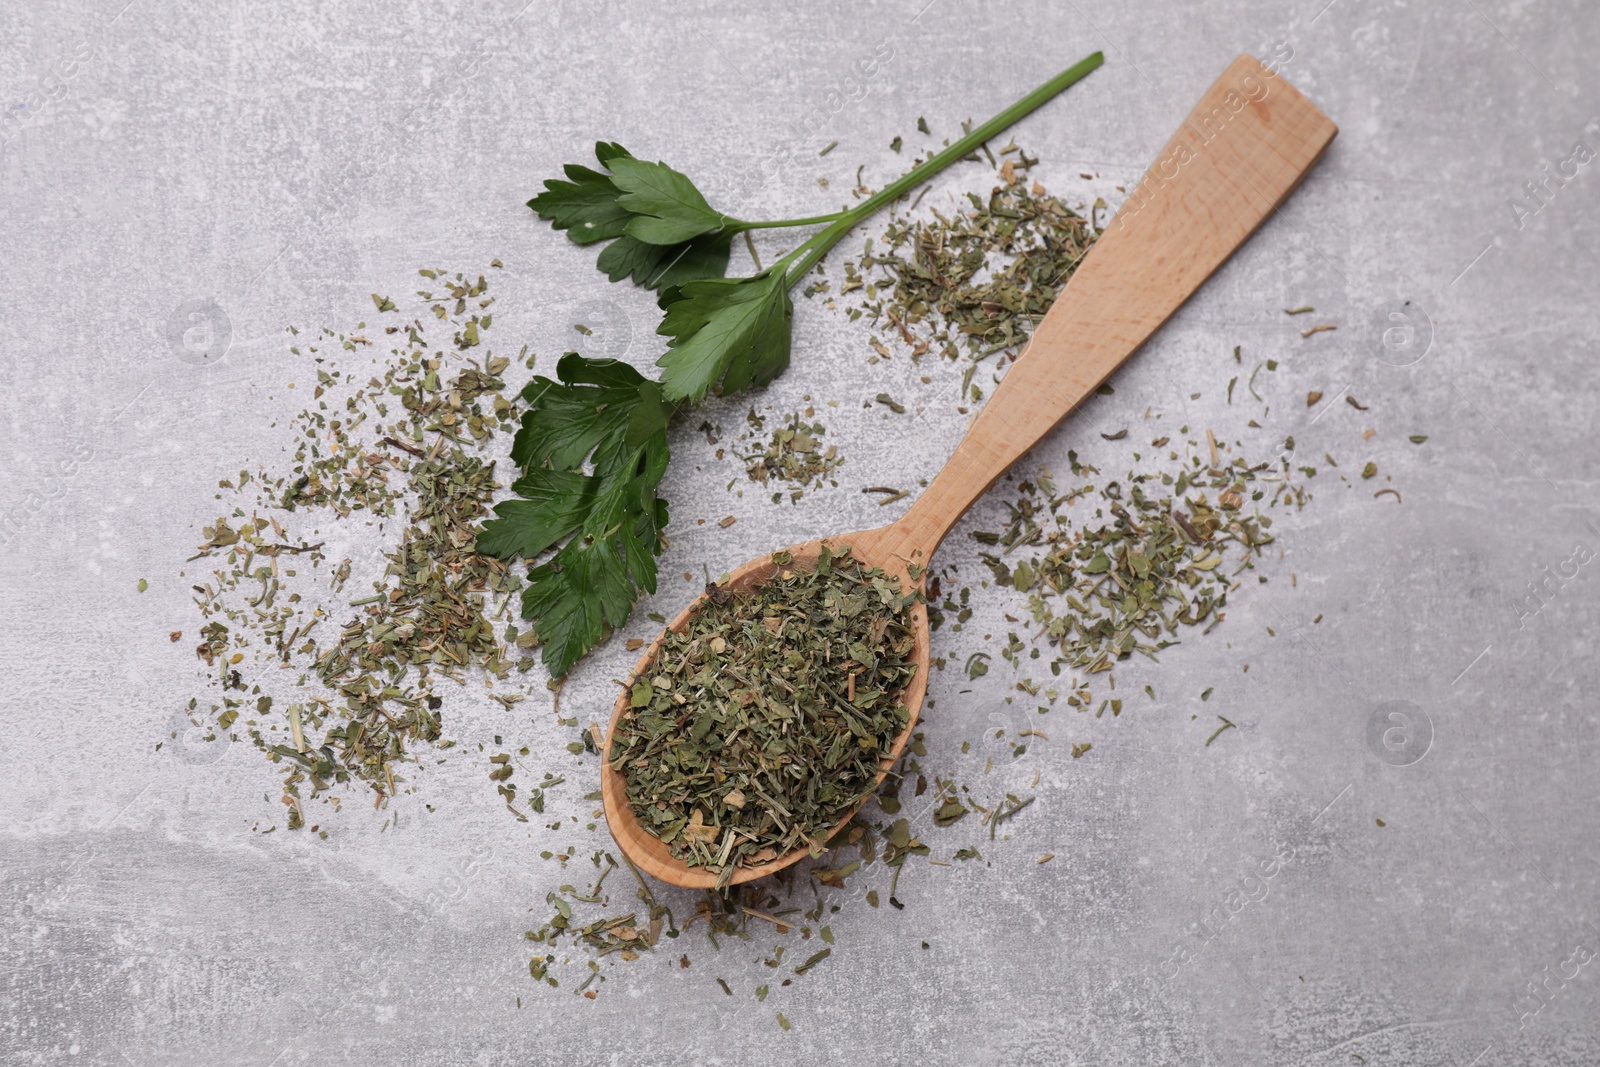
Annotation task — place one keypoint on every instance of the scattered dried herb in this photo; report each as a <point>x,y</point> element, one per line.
<point>793,454</point>
<point>405,450</point>
<point>1226,725</point>
<point>976,282</point>
<point>1149,560</point>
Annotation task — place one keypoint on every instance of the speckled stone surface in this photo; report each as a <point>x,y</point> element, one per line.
<point>270,164</point>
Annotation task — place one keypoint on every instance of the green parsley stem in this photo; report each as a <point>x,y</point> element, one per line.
<point>817,246</point>
<point>737,225</point>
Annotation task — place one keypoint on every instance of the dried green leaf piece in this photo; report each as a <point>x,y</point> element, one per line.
<point>812,960</point>
<point>950,812</point>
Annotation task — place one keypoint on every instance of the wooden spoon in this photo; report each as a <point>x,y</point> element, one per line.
<point>1241,151</point>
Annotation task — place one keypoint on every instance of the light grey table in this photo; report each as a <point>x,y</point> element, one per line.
<point>272,164</point>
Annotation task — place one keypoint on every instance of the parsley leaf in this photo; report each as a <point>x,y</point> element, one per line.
<point>555,505</point>
<point>606,415</point>
<point>732,330</point>
<point>663,266</point>
<point>586,204</point>
<point>662,231</point>
<point>569,419</point>
<point>668,208</point>
<point>572,599</point>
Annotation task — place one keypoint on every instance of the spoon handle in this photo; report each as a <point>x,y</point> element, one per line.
<point>1241,151</point>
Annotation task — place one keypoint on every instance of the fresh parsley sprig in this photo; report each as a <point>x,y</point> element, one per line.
<point>593,443</point>
<point>604,414</point>
<point>662,230</point>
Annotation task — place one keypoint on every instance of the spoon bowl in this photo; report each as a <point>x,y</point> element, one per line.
<point>1239,154</point>
<point>873,548</point>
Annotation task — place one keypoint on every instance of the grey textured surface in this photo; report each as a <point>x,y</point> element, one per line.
<point>286,159</point>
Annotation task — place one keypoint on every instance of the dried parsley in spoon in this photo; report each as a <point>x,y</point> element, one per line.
<point>763,723</point>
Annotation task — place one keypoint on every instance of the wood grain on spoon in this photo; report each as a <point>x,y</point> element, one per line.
<point>1241,151</point>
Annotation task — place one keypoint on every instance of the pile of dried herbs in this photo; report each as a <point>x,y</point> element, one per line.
<point>1154,555</point>
<point>794,907</point>
<point>972,283</point>
<point>792,454</point>
<point>405,450</point>
<point>764,723</point>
